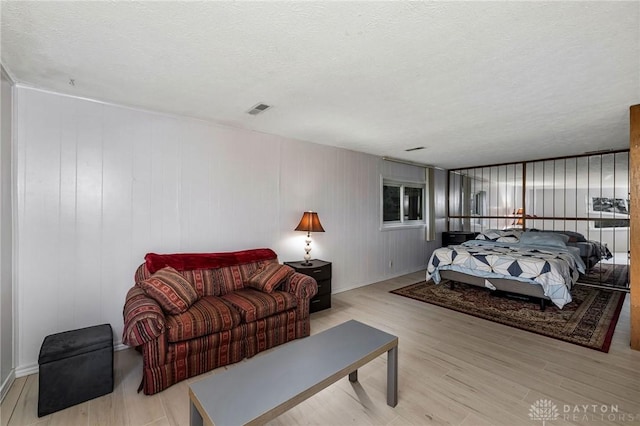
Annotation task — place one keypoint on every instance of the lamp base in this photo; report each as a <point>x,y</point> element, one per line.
<point>306,264</point>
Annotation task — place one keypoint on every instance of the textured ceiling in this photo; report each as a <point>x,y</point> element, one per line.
<point>474,83</point>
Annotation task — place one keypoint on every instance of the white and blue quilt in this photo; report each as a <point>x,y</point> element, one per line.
<point>555,269</point>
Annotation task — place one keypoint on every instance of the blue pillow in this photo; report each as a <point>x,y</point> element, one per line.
<point>550,239</point>
<point>574,237</point>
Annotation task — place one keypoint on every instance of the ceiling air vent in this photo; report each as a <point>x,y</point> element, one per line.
<point>258,108</point>
<point>418,148</point>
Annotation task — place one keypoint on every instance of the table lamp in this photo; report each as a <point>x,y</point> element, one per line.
<point>519,220</point>
<point>309,223</point>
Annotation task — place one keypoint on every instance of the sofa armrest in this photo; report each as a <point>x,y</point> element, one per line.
<point>301,286</point>
<point>143,318</point>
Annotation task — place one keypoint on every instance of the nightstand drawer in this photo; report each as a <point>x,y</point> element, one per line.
<point>320,273</point>
<point>319,303</point>
<point>324,287</point>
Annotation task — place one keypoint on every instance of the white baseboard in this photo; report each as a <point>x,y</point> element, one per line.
<point>4,388</point>
<point>25,370</point>
<point>386,277</point>
<point>34,368</point>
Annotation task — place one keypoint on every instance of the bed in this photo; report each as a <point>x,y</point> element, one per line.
<point>532,264</point>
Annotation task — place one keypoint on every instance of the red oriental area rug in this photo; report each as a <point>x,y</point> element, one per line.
<point>589,320</point>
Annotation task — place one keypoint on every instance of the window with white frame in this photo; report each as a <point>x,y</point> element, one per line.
<point>402,203</point>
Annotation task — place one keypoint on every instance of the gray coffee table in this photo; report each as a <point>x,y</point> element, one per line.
<point>267,385</point>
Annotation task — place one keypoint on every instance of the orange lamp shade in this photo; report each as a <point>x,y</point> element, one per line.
<point>310,223</point>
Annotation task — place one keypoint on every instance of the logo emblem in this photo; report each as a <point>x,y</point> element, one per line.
<point>543,410</point>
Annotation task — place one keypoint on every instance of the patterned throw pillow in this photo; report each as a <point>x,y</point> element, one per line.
<point>269,277</point>
<point>170,289</point>
<point>510,236</point>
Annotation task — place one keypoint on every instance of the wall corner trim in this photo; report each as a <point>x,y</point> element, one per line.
<point>6,385</point>
<point>634,263</point>
<point>8,74</point>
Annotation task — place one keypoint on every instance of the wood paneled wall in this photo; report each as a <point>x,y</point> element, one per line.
<point>98,186</point>
<point>634,165</point>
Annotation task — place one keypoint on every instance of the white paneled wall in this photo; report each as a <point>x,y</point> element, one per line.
<point>6,282</point>
<point>101,185</point>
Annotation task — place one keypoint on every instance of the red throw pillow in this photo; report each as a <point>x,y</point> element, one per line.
<point>171,290</point>
<point>269,277</point>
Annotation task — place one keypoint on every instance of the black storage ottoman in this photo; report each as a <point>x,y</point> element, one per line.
<point>75,366</point>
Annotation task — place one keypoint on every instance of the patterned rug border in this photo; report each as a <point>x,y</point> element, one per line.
<point>605,345</point>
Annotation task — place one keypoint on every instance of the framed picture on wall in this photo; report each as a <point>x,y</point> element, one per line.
<point>610,205</point>
<point>614,212</point>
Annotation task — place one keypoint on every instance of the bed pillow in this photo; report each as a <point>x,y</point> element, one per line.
<point>498,235</point>
<point>269,277</point>
<point>551,239</point>
<point>171,290</point>
<point>574,237</point>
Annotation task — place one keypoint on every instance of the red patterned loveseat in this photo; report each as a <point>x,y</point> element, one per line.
<point>225,318</point>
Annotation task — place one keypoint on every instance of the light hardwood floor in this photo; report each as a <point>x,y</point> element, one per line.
<point>454,369</point>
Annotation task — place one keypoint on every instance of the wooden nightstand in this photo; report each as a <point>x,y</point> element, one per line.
<point>321,271</point>
<point>451,238</point>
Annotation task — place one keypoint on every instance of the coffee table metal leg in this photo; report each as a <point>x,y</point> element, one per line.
<point>353,376</point>
<point>392,377</point>
<point>195,418</point>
